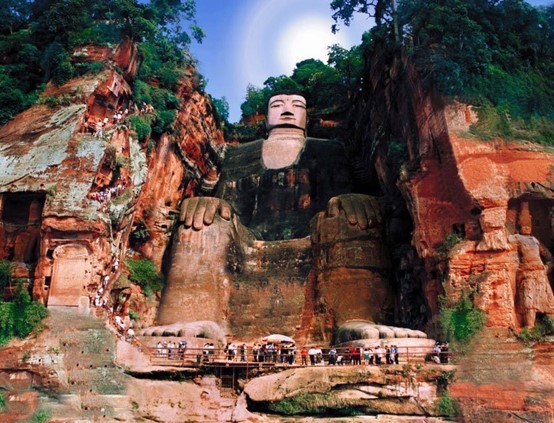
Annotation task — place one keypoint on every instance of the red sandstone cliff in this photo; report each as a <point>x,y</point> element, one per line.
<point>70,199</point>
<point>496,196</point>
<point>435,177</point>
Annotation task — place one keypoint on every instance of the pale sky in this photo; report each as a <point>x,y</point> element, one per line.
<point>248,41</point>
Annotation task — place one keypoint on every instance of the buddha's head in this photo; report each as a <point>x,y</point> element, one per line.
<point>286,111</point>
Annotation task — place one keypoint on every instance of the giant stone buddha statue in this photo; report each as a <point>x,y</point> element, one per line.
<point>250,248</point>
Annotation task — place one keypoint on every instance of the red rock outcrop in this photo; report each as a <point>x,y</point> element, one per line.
<point>182,164</point>
<point>484,192</point>
<point>494,197</point>
<point>70,196</point>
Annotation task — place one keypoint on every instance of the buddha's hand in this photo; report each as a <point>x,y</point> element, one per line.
<point>201,211</point>
<point>359,209</point>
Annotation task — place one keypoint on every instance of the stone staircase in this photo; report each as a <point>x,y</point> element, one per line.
<point>93,387</point>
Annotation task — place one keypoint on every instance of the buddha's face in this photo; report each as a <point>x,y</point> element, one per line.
<point>286,110</point>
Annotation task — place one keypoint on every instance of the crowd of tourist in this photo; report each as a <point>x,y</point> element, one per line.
<point>96,127</point>
<point>108,192</point>
<point>288,354</point>
<point>171,349</point>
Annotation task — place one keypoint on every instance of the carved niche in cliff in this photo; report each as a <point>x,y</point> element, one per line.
<point>71,274</point>
<point>20,215</point>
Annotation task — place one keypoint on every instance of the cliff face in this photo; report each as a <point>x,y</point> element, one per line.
<point>493,198</point>
<point>71,195</point>
<point>437,178</point>
<point>74,204</point>
<point>182,164</point>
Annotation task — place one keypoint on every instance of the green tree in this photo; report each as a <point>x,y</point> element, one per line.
<point>348,63</point>
<point>14,15</point>
<point>449,43</point>
<point>49,30</point>
<point>461,321</point>
<point>322,85</point>
<point>56,64</point>
<point>6,268</point>
<point>256,100</point>
<point>383,11</point>
<point>20,317</point>
<point>144,273</point>
<point>222,107</point>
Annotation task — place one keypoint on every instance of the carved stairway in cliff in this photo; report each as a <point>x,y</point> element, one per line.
<point>93,388</point>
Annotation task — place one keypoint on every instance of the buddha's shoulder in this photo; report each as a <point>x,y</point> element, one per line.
<point>324,149</point>
<point>250,149</point>
<point>242,159</point>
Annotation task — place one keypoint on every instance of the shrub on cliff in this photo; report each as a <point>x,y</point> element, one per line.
<point>450,241</point>
<point>543,328</point>
<point>5,276</point>
<point>20,317</point>
<point>49,31</point>
<point>461,321</point>
<point>446,406</point>
<point>144,273</point>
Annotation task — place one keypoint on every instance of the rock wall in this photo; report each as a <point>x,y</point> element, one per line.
<point>53,174</point>
<point>465,217</point>
<point>441,181</point>
<point>182,164</point>
<point>71,195</point>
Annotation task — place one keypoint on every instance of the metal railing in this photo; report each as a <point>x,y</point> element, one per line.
<point>197,357</point>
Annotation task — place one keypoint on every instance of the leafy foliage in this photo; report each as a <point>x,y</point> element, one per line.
<point>141,127</point>
<point>315,403</point>
<point>40,416</point>
<point>447,406</point>
<point>444,379</point>
<point>325,86</point>
<point>498,55</point>
<point>143,273</point>
<point>18,318</point>
<point>38,37</point>
<point>383,11</point>
<point>543,328</point>
<point>461,321</point>
<point>165,104</point>
<point>56,64</point>
<point>5,275</point>
<point>133,315</point>
<point>222,107</point>
<point>141,233</point>
<point>449,242</point>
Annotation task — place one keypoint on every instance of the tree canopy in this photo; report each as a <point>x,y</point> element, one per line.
<point>324,85</point>
<point>495,52</point>
<point>37,39</point>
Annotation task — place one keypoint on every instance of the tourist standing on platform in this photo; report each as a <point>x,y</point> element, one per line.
<point>304,356</point>
<point>332,356</point>
<point>311,353</point>
<point>242,351</point>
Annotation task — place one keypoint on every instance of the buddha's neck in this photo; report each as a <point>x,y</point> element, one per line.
<point>283,147</point>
